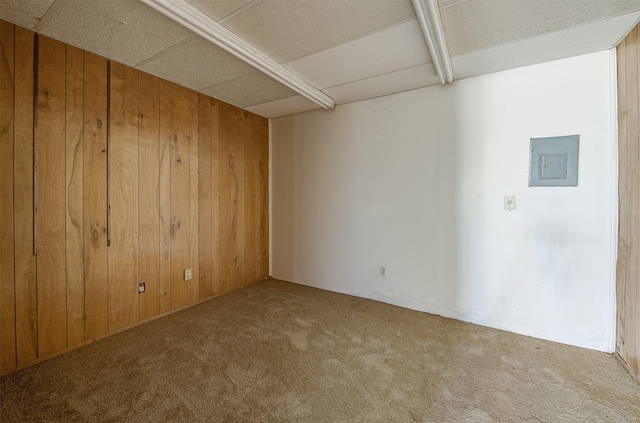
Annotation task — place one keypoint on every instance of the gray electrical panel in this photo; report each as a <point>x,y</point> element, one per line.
<point>554,161</point>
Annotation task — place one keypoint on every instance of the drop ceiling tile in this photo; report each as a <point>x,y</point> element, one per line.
<point>26,13</point>
<point>218,9</point>
<point>287,30</point>
<point>284,107</point>
<point>390,83</point>
<point>397,47</point>
<point>127,31</point>
<point>196,64</point>
<point>250,90</point>
<point>574,41</point>
<point>476,25</point>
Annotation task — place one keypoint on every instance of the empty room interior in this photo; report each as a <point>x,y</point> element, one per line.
<point>320,211</point>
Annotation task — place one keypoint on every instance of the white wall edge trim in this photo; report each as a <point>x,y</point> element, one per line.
<point>613,78</point>
<point>192,18</point>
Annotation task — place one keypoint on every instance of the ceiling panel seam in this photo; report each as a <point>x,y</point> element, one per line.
<point>210,87</point>
<point>288,62</point>
<point>559,30</point>
<point>377,76</point>
<point>239,11</point>
<point>35,28</point>
<point>165,51</point>
<point>453,4</point>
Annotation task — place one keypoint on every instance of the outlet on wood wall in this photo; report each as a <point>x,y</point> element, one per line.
<point>110,177</point>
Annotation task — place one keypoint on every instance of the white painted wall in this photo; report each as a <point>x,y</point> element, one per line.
<point>415,182</point>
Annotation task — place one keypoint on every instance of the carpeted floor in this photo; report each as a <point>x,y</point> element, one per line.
<point>279,352</point>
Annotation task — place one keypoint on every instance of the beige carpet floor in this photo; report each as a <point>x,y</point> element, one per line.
<point>279,352</point>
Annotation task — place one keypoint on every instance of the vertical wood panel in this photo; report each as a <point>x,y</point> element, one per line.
<point>250,197</point>
<point>95,196</point>
<point>25,260</point>
<point>165,195</point>
<point>188,189</point>
<point>149,198</point>
<point>628,278</point>
<point>262,143</point>
<point>225,210</point>
<point>194,261</point>
<point>216,287</point>
<point>633,225</point>
<point>205,200</point>
<point>123,252</point>
<point>74,195</point>
<point>623,241</point>
<point>51,264</point>
<point>236,177</point>
<point>180,193</point>
<point>7,282</point>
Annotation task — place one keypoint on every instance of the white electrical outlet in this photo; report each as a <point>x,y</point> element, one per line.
<point>140,287</point>
<point>509,202</point>
<point>187,274</point>
<point>383,271</point>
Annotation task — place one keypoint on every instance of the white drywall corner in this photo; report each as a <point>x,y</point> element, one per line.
<point>415,182</point>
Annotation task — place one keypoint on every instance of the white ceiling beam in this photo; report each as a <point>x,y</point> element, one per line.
<point>203,25</point>
<point>431,26</point>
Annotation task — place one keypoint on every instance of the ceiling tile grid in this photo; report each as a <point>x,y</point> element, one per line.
<point>351,49</point>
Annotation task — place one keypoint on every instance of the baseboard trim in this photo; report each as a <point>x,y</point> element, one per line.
<point>626,366</point>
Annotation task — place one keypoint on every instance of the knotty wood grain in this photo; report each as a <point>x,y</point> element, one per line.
<point>194,261</point>
<point>164,195</point>
<point>51,263</point>
<point>95,196</point>
<point>215,197</point>
<point>25,260</point>
<point>74,195</point>
<point>180,194</point>
<point>225,209</point>
<point>236,195</point>
<point>250,220</point>
<point>7,282</point>
<point>148,192</point>
<point>123,252</point>
<point>205,197</point>
<point>262,146</point>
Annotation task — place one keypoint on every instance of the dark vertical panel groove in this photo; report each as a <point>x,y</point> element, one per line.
<point>35,147</point>
<point>108,154</point>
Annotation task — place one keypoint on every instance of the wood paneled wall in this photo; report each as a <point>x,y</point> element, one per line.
<point>131,179</point>
<point>628,283</point>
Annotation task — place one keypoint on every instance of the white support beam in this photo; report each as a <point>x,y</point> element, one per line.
<point>200,23</point>
<point>431,26</point>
